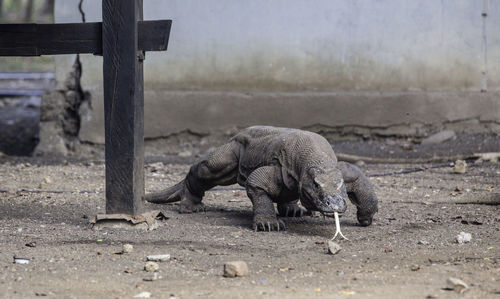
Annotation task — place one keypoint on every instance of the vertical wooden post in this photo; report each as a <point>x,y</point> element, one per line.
<point>123,106</point>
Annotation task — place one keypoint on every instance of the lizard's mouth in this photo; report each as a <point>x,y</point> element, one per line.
<point>331,204</point>
<point>326,206</point>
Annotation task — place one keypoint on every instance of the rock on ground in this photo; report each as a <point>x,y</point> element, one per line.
<point>158,257</point>
<point>143,295</point>
<point>456,284</point>
<point>236,268</point>
<point>127,248</point>
<point>439,137</point>
<point>463,237</point>
<point>460,166</point>
<point>333,247</point>
<point>151,267</point>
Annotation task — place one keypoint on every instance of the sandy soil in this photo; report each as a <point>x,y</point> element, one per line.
<point>408,252</point>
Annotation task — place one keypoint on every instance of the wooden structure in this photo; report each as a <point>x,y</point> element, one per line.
<point>122,38</point>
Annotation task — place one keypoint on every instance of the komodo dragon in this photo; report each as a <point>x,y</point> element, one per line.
<point>277,165</point>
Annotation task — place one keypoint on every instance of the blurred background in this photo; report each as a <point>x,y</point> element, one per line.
<point>23,81</point>
<point>27,11</point>
<point>349,70</point>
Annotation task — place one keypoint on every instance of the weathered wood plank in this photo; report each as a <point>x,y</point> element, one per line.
<point>70,38</point>
<point>123,106</point>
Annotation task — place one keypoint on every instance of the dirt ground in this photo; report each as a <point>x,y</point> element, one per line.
<point>408,252</point>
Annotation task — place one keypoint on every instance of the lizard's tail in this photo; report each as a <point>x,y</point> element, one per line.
<point>171,194</point>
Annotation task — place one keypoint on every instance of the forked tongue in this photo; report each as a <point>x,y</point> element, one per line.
<point>337,227</point>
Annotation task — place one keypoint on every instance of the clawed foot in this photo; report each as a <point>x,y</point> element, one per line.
<point>187,207</point>
<point>267,223</point>
<point>292,210</point>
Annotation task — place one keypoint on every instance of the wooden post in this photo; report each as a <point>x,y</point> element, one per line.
<point>122,38</point>
<point>123,106</point>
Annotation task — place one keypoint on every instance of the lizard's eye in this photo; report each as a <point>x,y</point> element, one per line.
<point>319,182</point>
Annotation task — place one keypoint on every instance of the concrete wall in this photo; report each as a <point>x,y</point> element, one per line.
<point>299,47</point>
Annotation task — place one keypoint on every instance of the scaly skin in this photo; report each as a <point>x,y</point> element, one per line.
<point>277,165</point>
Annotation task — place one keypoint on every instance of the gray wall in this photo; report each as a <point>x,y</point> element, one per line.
<point>305,46</point>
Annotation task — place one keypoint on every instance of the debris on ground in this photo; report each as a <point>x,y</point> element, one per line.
<point>456,285</point>
<point>21,260</point>
<point>153,277</point>
<point>407,146</point>
<point>158,257</point>
<point>463,237</point>
<point>460,166</point>
<point>127,248</point>
<point>376,264</point>
<point>151,267</point>
<point>491,157</point>
<point>333,247</point>
<point>360,163</point>
<point>185,154</point>
<point>41,294</point>
<point>143,295</point>
<point>30,244</point>
<point>439,137</point>
<point>236,268</point>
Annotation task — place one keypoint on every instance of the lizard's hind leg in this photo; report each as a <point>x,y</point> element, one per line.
<point>219,168</point>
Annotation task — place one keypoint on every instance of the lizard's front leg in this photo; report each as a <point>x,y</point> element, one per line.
<point>360,191</point>
<point>262,185</point>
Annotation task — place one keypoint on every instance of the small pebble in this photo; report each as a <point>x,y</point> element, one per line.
<point>31,244</point>
<point>158,257</point>
<point>236,268</point>
<point>463,237</point>
<point>360,163</point>
<point>333,248</point>
<point>415,267</point>
<point>456,284</point>
<point>185,154</point>
<point>407,146</point>
<point>439,137</point>
<point>143,295</point>
<point>151,267</point>
<point>21,260</point>
<point>460,166</point>
<point>423,242</point>
<point>151,277</point>
<point>127,248</point>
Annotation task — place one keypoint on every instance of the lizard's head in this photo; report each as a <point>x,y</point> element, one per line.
<point>323,190</point>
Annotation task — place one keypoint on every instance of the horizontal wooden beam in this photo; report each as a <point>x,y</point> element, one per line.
<point>72,38</point>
